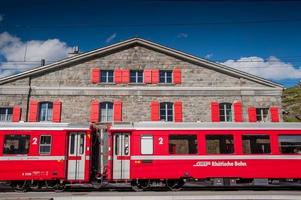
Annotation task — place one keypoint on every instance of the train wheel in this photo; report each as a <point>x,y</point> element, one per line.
<point>21,186</point>
<point>140,185</point>
<point>175,185</point>
<point>59,188</point>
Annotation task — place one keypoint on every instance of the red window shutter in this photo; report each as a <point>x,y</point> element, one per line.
<point>16,113</point>
<point>177,76</point>
<point>57,108</point>
<point>155,109</point>
<point>237,111</point>
<point>252,114</point>
<point>118,76</point>
<point>274,114</point>
<point>117,111</point>
<point>33,111</point>
<point>95,75</point>
<point>125,76</point>
<point>178,111</point>
<point>147,76</point>
<point>94,113</point>
<point>155,76</point>
<point>215,112</point>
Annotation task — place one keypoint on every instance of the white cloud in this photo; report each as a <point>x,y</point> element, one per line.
<point>271,68</point>
<point>182,35</point>
<point>209,55</point>
<point>13,49</point>
<point>111,37</point>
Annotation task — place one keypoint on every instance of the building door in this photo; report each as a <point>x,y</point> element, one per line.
<point>121,156</point>
<point>76,156</point>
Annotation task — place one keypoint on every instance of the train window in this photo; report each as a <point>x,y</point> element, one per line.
<point>147,144</point>
<point>45,144</point>
<point>219,144</point>
<point>72,144</point>
<point>82,144</point>
<point>290,144</point>
<point>256,144</point>
<point>117,143</point>
<point>16,144</point>
<point>126,148</point>
<point>183,144</point>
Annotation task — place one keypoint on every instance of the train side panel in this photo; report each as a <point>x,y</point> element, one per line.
<point>41,162</point>
<point>163,165</point>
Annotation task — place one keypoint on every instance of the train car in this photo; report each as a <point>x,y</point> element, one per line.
<point>44,154</point>
<point>149,154</point>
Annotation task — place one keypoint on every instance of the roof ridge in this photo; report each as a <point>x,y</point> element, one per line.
<point>147,43</point>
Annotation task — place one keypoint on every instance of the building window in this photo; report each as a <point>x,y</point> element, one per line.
<point>45,144</point>
<point>219,144</point>
<point>6,114</point>
<point>16,144</point>
<point>166,112</point>
<point>183,144</point>
<point>106,112</point>
<point>165,76</point>
<point>136,76</point>
<point>147,144</point>
<point>225,110</point>
<point>262,114</point>
<point>256,144</point>
<point>106,76</point>
<point>45,111</point>
<point>290,144</point>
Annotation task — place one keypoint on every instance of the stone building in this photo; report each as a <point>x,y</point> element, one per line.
<point>137,80</point>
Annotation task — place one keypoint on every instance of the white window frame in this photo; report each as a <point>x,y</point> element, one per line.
<point>225,111</point>
<point>136,76</point>
<point>106,111</point>
<point>7,117</point>
<point>165,76</point>
<point>47,112</point>
<point>166,111</point>
<point>262,119</point>
<point>50,145</point>
<point>107,76</point>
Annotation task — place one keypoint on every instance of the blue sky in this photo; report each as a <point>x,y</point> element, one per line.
<point>260,37</point>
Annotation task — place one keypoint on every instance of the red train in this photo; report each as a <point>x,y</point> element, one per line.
<point>149,154</point>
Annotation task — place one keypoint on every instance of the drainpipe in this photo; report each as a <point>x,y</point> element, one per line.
<point>28,99</point>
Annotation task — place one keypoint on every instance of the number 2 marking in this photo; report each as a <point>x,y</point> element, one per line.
<point>160,140</point>
<point>34,140</point>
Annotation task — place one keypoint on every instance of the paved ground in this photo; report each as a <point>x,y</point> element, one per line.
<point>185,195</point>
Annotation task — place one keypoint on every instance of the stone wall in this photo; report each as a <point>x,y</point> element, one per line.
<point>136,104</point>
<point>78,74</point>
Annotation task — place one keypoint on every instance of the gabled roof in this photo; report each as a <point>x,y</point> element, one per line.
<point>148,44</point>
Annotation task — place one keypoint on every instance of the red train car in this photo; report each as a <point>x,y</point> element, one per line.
<point>44,154</point>
<point>149,154</point>
<point>158,153</point>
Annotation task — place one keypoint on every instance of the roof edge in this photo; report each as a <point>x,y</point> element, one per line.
<point>147,43</point>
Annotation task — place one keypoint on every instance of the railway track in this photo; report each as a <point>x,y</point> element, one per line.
<point>194,187</point>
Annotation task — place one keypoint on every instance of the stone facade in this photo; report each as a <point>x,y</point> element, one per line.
<point>70,82</point>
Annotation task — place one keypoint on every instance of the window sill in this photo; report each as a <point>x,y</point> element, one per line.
<point>166,84</point>
<point>137,83</point>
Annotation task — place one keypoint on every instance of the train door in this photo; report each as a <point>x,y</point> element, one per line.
<point>121,156</point>
<point>76,156</point>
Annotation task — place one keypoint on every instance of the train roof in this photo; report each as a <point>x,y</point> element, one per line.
<point>205,126</point>
<point>42,126</point>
